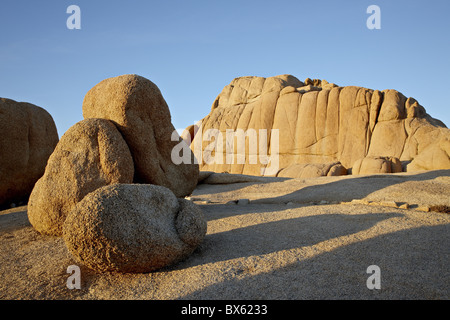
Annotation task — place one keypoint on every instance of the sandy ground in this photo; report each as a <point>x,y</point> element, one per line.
<point>296,239</point>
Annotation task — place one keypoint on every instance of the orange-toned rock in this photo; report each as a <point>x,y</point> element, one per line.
<point>90,155</point>
<point>133,228</point>
<point>138,109</point>
<point>370,165</point>
<point>28,137</point>
<point>316,123</point>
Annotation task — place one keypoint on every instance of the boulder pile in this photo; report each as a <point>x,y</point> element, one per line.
<point>110,187</point>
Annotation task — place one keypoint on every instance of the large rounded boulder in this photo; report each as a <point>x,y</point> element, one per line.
<point>90,155</point>
<point>137,107</point>
<point>28,136</point>
<point>133,228</point>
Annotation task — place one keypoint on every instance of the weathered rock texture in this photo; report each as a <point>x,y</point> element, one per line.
<point>133,228</point>
<point>137,107</point>
<point>369,165</point>
<point>311,170</point>
<point>319,123</point>
<point>90,155</point>
<point>28,136</point>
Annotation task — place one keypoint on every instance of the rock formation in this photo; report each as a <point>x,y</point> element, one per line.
<point>138,109</point>
<point>298,126</point>
<point>90,155</point>
<point>87,193</point>
<point>133,228</point>
<point>28,136</point>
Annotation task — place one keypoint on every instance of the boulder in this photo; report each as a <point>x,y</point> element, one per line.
<point>312,170</point>
<point>138,109</point>
<point>371,165</point>
<point>28,136</point>
<point>436,156</point>
<point>133,228</point>
<point>189,133</point>
<point>90,155</point>
<point>297,123</point>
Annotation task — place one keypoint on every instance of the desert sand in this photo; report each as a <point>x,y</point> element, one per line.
<point>295,239</point>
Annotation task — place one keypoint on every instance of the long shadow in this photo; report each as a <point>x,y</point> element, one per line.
<point>14,220</point>
<point>212,188</point>
<point>270,237</point>
<point>351,188</point>
<point>220,211</point>
<point>413,265</point>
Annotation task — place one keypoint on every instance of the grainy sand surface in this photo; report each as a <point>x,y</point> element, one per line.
<point>296,239</point>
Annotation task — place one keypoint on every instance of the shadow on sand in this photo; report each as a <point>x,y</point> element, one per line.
<point>342,188</point>
<point>270,237</point>
<point>407,271</point>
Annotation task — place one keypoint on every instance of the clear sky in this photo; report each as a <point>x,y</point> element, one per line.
<point>191,49</point>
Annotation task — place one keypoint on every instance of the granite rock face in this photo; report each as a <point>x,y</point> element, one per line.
<point>90,155</point>
<point>138,109</point>
<point>316,122</point>
<point>133,228</point>
<point>28,136</point>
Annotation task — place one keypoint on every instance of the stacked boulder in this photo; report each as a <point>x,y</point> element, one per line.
<point>110,187</point>
<point>138,109</point>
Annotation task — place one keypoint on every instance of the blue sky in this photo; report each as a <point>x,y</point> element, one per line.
<point>192,49</point>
